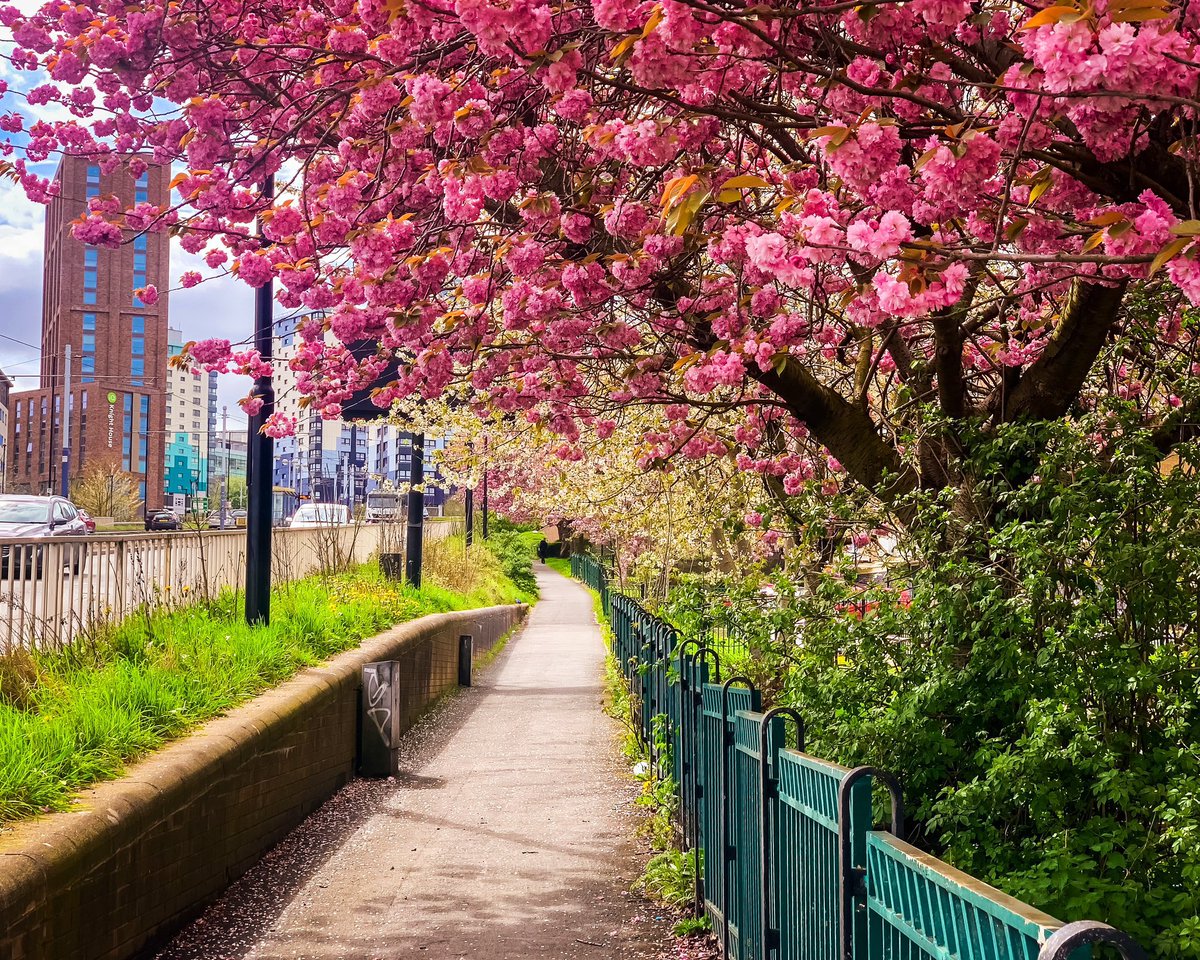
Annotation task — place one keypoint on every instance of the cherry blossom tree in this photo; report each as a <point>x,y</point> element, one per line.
<point>860,227</point>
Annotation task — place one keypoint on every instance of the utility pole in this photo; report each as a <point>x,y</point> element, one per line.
<point>260,454</point>
<point>485,498</point>
<point>352,473</point>
<point>414,541</point>
<point>66,423</point>
<point>470,516</point>
<point>225,465</point>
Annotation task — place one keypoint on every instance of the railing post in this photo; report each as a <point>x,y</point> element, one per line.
<point>768,753</point>
<point>727,850</point>
<point>48,572</point>
<point>854,820</point>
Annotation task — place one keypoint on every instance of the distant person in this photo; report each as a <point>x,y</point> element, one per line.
<point>543,550</point>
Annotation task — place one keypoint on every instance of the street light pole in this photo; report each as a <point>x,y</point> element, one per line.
<point>352,468</point>
<point>470,516</point>
<point>66,424</point>
<point>416,512</point>
<point>225,465</point>
<point>485,496</point>
<point>260,454</point>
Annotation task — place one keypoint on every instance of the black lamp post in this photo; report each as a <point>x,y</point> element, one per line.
<point>485,495</point>
<point>259,461</point>
<point>416,512</point>
<point>469,510</point>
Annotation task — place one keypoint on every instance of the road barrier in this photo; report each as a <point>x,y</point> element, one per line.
<point>57,590</point>
<point>791,866</point>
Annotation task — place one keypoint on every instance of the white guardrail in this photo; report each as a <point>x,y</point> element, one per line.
<point>57,590</point>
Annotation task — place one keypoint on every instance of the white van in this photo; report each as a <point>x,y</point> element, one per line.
<point>320,515</point>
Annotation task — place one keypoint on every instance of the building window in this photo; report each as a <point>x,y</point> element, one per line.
<point>140,245</point>
<point>127,439</point>
<point>91,274</point>
<point>143,428</point>
<point>88,366</point>
<point>93,180</point>
<point>89,321</point>
<point>89,343</point>
<point>137,370</point>
<point>139,324</point>
<point>137,346</point>
<point>141,191</point>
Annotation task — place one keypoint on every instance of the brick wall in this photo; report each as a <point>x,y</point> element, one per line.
<point>139,856</point>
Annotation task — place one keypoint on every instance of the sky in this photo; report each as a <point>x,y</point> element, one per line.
<point>220,307</point>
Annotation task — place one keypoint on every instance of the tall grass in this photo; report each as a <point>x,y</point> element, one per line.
<point>72,718</point>
<point>486,568</point>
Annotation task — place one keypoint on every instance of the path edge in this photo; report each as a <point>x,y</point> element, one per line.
<point>137,857</point>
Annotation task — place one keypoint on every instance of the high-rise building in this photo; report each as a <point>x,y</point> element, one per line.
<point>229,452</point>
<point>191,423</point>
<point>5,389</point>
<point>118,343</point>
<point>390,463</point>
<point>318,463</point>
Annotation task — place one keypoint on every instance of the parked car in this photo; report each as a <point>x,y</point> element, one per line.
<point>36,518</point>
<point>162,520</point>
<point>320,515</point>
<point>239,518</point>
<point>87,521</point>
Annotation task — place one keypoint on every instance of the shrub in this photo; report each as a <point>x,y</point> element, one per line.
<point>516,552</point>
<point>1038,696</point>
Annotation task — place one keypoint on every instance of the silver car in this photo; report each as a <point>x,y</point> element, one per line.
<point>36,518</point>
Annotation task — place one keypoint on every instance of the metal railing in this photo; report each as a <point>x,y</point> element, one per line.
<point>56,590</point>
<point>792,865</point>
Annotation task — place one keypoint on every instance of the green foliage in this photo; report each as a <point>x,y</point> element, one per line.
<point>499,524</point>
<point>517,552</point>
<point>70,719</point>
<point>1039,696</point>
<point>560,564</point>
<point>693,926</point>
<point>474,572</point>
<point>670,878</point>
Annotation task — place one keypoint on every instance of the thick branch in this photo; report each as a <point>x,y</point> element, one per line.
<point>846,430</point>
<point>1048,388</point>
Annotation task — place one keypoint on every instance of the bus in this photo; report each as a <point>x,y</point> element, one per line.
<point>283,505</point>
<point>383,506</point>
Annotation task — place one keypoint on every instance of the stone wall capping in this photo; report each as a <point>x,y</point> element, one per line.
<point>136,857</point>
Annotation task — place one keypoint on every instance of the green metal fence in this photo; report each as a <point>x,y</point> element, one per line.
<point>793,866</point>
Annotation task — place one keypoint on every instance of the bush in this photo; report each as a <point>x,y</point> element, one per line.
<point>517,553</point>
<point>1038,698</point>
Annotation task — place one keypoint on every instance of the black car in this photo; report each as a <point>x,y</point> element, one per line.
<point>25,518</point>
<point>162,520</point>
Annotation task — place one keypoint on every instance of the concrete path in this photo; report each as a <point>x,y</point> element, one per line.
<point>510,837</point>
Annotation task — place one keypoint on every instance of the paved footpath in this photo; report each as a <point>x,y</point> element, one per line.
<point>510,836</point>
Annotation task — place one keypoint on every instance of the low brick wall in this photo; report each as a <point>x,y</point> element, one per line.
<point>139,856</point>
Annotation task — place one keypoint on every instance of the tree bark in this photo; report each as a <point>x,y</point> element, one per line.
<point>1050,385</point>
<point>846,430</point>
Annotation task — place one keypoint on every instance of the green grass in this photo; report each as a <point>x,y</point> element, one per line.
<point>559,564</point>
<point>74,718</point>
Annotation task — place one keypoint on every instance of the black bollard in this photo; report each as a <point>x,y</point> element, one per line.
<point>466,653</point>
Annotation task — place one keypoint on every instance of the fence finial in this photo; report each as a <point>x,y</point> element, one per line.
<point>1070,937</point>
